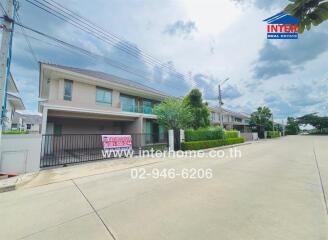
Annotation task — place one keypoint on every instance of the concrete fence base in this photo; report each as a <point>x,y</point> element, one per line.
<point>20,153</point>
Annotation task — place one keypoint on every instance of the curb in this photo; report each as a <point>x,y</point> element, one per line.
<point>8,184</point>
<point>227,146</point>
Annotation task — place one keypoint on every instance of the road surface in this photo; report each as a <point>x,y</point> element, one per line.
<point>275,190</point>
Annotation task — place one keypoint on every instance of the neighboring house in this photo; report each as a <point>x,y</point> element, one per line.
<point>32,123</point>
<point>26,122</point>
<point>231,120</point>
<point>80,101</point>
<point>14,103</point>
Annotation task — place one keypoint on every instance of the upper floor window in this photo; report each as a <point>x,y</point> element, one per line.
<point>103,96</point>
<point>147,106</point>
<point>128,103</point>
<point>238,120</point>
<point>68,87</point>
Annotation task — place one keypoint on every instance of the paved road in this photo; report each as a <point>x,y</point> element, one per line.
<point>274,191</point>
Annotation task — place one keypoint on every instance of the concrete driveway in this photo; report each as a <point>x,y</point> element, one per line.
<point>274,191</point>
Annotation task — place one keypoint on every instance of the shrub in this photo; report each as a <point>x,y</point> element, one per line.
<point>273,134</point>
<point>197,145</point>
<point>156,146</point>
<point>14,132</point>
<point>231,134</point>
<point>203,134</point>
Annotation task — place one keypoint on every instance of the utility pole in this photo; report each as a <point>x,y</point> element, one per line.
<point>4,61</point>
<point>220,107</point>
<point>6,41</point>
<point>220,102</point>
<point>272,123</point>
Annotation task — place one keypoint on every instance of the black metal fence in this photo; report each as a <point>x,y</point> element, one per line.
<point>77,148</point>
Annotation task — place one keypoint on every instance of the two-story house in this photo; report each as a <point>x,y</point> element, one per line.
<point>80,101</point>
<point>13,103</point>
<point>231,120</point>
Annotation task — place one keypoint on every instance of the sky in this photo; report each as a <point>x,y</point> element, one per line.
<point>207,41</point>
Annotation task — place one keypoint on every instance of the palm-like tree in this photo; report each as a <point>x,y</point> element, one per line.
<point>309,12</point>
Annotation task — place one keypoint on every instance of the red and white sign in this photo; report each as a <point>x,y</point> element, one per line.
<point>116,141</point>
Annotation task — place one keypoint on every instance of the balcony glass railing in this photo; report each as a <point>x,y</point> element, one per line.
<point>136,109</point>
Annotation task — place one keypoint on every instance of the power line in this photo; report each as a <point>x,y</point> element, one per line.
<point>85,25</point>
<point>90,54</point>
<point>3,9</point>
<point>94,26</point>
<point>45,42</point>
<point>98,28</point>
<point>27,41</point>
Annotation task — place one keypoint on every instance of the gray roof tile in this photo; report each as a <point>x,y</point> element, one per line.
<point>108,77</point>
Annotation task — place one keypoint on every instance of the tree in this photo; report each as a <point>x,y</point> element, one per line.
<point>199,110</point>
<point>262,118</point>
<point>316,121</point>
<point>173,114</point>
<point>292,127</point>
<point>309,12</point>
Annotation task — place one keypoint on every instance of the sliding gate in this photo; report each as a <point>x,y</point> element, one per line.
<point>67,149</point>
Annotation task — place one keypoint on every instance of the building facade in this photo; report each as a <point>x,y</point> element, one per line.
<point>79,101</point>
<point>13,103</point>
<point>231,120</point>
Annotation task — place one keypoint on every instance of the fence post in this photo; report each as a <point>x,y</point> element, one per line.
<point>182,136</point>
<point>171,140</point>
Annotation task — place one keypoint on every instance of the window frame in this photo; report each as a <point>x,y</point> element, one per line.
<point>104,90</point>
<point>68,97</point>
<point>126,107</point>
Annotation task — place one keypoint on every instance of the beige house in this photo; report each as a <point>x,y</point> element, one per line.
<point>231,120</point>
<point>14,103</point>
<point>79,101</point>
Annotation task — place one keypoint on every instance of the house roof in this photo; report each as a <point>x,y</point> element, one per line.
<point>107,77</point>
<point>16,100</point>
<point>27,118</point>
<point>32,119</point>
<point>12,85</point>
<point>225,111</point>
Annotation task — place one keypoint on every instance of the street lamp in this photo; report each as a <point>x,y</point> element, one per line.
<point>220,102</point>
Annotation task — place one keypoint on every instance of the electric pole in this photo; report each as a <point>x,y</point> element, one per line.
<point>4,60</point>
<point>221,103</point>
<point>220,107</point>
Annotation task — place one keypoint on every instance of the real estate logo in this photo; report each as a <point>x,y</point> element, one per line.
<point>282,26</point>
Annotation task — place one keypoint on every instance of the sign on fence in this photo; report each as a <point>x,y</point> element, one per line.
<point>117,142</point>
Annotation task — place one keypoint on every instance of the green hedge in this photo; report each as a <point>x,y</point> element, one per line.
<point>14,132</point>
<point>231,134</point>
<point>156,147</point>
<point>197,145</point>
<point>203,134</point>
<point>273,134</point>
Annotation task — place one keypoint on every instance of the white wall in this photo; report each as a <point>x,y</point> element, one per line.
<point>20,153</point>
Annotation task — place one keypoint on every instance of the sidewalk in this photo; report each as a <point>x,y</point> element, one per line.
<point>48,176</point>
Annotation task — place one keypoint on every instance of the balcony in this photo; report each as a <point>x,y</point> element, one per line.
<point>137,109</point>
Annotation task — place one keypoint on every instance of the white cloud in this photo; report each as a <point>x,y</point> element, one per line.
<point>227,43</point>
